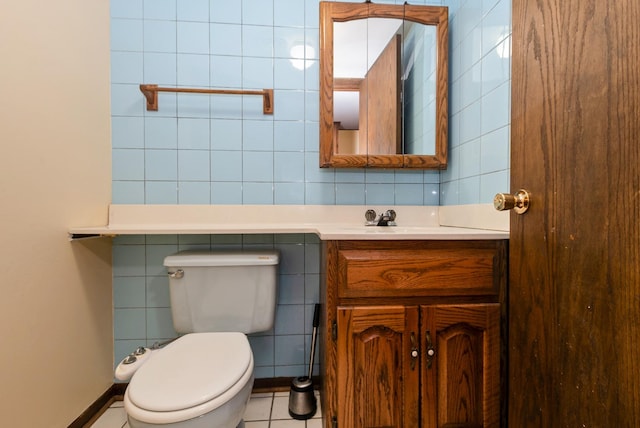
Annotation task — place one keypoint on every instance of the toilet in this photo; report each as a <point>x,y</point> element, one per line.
<point>204,378</point>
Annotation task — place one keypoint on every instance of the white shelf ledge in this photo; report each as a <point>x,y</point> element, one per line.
<point>329,222</point>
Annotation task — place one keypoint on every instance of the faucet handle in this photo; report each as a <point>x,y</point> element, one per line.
<point>384,219</point>
<point>370,215</point>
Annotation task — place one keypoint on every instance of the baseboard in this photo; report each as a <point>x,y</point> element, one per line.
<point>116,393</point>
<point>278,384</point>
<point>93,412</point>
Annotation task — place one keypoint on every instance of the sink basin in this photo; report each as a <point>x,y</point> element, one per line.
<point>388,229</point>
<point>337,232</point>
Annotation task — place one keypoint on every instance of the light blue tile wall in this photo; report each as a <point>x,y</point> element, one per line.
<point>220,149</point>
<point>479,96</point>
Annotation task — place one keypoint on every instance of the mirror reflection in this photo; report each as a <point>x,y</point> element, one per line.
<point>367,86</point>
<point>384,86</point>
<point>383,97</point>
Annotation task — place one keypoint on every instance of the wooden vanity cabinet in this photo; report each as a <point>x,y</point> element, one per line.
<point>412,333</point>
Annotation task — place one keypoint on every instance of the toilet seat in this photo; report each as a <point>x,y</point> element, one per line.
<point>190,377</point>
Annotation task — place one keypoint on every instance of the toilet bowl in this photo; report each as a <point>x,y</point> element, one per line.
<point>200,380</point>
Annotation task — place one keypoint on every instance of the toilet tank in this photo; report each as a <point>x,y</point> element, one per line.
<point>223,290</point>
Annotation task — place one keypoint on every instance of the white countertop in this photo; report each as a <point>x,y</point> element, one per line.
<point>329,222</point>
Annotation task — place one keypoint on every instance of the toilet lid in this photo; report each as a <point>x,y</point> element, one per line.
<point>193,370</point>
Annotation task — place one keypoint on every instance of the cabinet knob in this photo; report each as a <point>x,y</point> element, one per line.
<point>414,351</point>
<point>431,351</point>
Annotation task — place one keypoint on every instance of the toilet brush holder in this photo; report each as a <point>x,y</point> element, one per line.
<point>302,400</point>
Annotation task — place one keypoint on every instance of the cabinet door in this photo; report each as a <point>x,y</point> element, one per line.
<point>378,376</point>
<point>461,381</point>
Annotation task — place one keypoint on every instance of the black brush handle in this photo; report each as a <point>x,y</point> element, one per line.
<point>316,315</point>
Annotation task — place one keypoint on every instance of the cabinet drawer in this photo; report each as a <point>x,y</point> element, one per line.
<point>416,272</point>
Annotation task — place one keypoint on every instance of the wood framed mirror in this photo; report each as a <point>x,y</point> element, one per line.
<point>383,85</point>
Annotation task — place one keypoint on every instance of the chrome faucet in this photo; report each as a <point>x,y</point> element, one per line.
<point>384,219</point>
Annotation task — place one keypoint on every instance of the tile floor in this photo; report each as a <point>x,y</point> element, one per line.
<point>265,410</point>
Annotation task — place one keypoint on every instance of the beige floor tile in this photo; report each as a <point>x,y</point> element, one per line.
<point>259,408</point>
<point>314,423</point>
<point>259,424</point>
<point>280,408</point>
<point>113,417</point>
<point>291,423</point>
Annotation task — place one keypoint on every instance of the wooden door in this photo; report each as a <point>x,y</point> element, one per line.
<point>381,104</point>
<point>377,383</point>
<point>574,287</point>
<point>461,379</point>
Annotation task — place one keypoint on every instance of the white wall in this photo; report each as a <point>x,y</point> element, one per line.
<point>55,296</point>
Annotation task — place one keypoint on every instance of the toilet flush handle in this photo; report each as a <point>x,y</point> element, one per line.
<point>176,274</point>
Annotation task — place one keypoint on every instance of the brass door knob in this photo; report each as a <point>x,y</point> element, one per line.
<point>518,202</point>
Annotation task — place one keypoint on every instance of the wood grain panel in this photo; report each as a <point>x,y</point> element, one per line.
<point>326,345</point>
<point>575,256</point>
<point>464,379</point>
<point>383,120</point>
<point>376,385</point>
<point>368,273</point>
<point>348,84</point>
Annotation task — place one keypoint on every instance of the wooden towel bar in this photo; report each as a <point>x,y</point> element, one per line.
<point>150,92</point>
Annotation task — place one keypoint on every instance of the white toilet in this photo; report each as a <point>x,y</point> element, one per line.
<point>204,378</point>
